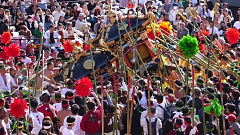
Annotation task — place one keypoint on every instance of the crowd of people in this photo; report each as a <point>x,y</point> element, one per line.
<point>166,106</point>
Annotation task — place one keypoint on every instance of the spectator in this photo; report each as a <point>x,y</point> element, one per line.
<point>183,31</point>
<point>237,23</point>
<point>31,24</point>
<point>57,13</point>
<point>38,33</point>
<point>81,23</point>
<point>39,16</point>
<point>52,38</point>
<point>25,32</point>
<point>3,16</point>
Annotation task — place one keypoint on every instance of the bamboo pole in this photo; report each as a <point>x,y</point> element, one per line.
<point>149,111</point>
<point>101,80</point>
<point>193,101</point>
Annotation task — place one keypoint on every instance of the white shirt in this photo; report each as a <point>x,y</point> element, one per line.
<point>160,111</point>
<point>72,31</point>
<point>172,15</point>
<point>6,86</point>
<point>66,131</point>
<point>237,25</point>
<point>143,123</point>
<point>37,118</point>
<point>65,90</point>
<point>55,36</point>
<point>13,82</point>
<point>76,128</point>
<point>145,114</point>
<point>56,15</point>
<point>57,106</point>
<point>27,60</point>
<point>215,30</point>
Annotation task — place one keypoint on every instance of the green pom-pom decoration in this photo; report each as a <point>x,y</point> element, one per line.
<point>188,46</point>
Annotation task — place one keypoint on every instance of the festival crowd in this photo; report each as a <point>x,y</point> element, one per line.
<point>172,106</point>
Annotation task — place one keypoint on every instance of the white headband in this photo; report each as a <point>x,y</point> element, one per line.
<point>47,127</point>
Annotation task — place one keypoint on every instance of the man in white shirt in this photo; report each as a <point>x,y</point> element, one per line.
<point>57,13</point>
<point>237,24</point>
<point>154,120</point>
<point>215,30</point>
<point>52,38</point>
<point>26,59</point>
<point>76,128</point>
<point>5,82</point>
<point>81,23</point>
<point>36,118</point>
<point>70,123</point>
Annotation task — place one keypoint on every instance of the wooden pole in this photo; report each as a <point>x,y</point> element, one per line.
<point>223,118</point>
<point>193,101</point>
<point>128,106</point>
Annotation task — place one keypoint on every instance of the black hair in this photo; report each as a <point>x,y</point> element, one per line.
<point>231,107</point>
<point>187,119</point>
<point>34,103</point>
<point>65,102</point>
<point>58,96</point>
<point>70,119</point>
<point>91,105</point>
<point>75,109</point>
<point>42,132</point>
<point>159,98</point>
<point>111,108</point>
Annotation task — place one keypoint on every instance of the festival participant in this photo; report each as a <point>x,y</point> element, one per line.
<point>46,108</point>
<point>70,123</point>
<point>64,112</point>
<point>26,59</point>
<point>156,122</point>
<point>235,125</point>
<point>109,121</point>
<point>13,78</point>
<point>189,129</point>
<point>91,120</point>
<point>58,104</point>
<point>48,72</point>
<point>177,124</point>
<point>3,115</point>
<point>178,92</point>
<point>69,86</point>
<point>70,97</point>
<point>76,127</point>
<point>35,117</point>
<point>20,127</point>
<point>47,125</point>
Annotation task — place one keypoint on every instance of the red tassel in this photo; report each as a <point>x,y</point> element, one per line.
<point>67,46</point>
<point>232,35</point>
<point>83,87</point>
<point>18,108</point>
<point>220,84</point>
<point>13,50</point>
<point>4,54</point>
<point>115,84</point>
<point>6,37</point>
<point>148,82</point>
<point>86,47</point>
<point>133,93</point>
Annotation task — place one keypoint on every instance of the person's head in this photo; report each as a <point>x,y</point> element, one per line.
<point>225,5</point>
<point>40,26</point>
<point>111,108</point>
<point>61,19</point>
<point>182,25</point>
<point>152,111</point>
<point>197,92</point>
<point>111,17</point>
<point>159,98</point>
<point>39,10</point>
<point>13,71</point>
<point>47,125</point>
<point>70,95</point>
<point>230,108</point>
<point>69,25</point>
<point>45,98</point>
<point>20,126</point>
<point>58,8</point>
<point>75,109</point>
<point>50,88</point>
<point>65,104</point>
<point>14,4</point>
<point>81,16</point>
<point>19,13</point>
<point>34,104</point>
<point>48,11</point>
<point>51,28</point>
<point>50,66</point>
<point>178,123</point>
<point>102,24</point>
<point>42,132</point>
<point>231,118</point>
<point>2,12</point>
<point>91,105</point>
<point>70,121</point>
<point>3,113</point>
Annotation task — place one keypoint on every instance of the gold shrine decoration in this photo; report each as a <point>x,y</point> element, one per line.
<point>89,64</point>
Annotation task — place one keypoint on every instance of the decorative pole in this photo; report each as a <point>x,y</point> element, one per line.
<point>149,113</point>
<point>101,81</point>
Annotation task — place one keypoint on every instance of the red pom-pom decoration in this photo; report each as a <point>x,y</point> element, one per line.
<point>6,37</point>
<point>13,50</point>
<point>68,47</point>
<point>86,47</point>
<point>232,35</point>
<point>18,107</point>
<point>4,54</point>
<point>83,87</point>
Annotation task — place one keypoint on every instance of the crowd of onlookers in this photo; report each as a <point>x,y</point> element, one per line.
<point>59,110</point>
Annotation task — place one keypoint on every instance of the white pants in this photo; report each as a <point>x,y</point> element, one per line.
<point>53,45</point>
